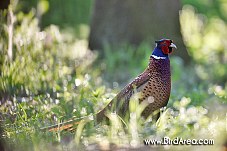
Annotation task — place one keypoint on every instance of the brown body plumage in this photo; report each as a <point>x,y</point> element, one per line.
<point>154,84</point>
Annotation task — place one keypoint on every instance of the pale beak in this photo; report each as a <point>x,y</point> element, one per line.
<point>173,45</point>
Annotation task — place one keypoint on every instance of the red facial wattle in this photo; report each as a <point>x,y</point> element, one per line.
<point>167,46</point>
<point>165,49</point>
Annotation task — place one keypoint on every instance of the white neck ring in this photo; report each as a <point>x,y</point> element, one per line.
<point>157,57</point>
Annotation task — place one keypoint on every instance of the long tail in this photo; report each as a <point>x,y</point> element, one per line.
<point>68,125</point>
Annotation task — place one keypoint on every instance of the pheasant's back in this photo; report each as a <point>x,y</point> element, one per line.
<point>157,89</point>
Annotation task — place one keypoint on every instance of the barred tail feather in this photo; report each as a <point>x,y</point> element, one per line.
<point>68,125</point>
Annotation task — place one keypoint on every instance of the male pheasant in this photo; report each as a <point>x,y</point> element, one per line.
<point>154,86</point>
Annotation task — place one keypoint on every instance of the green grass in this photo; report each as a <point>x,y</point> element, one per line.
<point>54,77</point>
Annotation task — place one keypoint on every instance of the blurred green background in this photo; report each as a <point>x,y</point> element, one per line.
<point>52,76</point>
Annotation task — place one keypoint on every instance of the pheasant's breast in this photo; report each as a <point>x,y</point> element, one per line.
<point>157,90</point>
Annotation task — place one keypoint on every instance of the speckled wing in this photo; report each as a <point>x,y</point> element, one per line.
<point>120,102</point>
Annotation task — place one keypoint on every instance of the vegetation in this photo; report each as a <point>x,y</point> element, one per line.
<point>53,77</point>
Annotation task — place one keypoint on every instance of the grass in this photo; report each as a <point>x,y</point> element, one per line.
<point>54,77</point>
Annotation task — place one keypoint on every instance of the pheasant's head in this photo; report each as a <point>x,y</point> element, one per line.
<point>163,48</point>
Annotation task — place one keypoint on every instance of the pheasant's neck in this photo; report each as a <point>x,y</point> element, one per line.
<point>159,66</point>
<point>158,54</point>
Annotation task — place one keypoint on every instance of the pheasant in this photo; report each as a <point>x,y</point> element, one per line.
<point>154,86</point>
